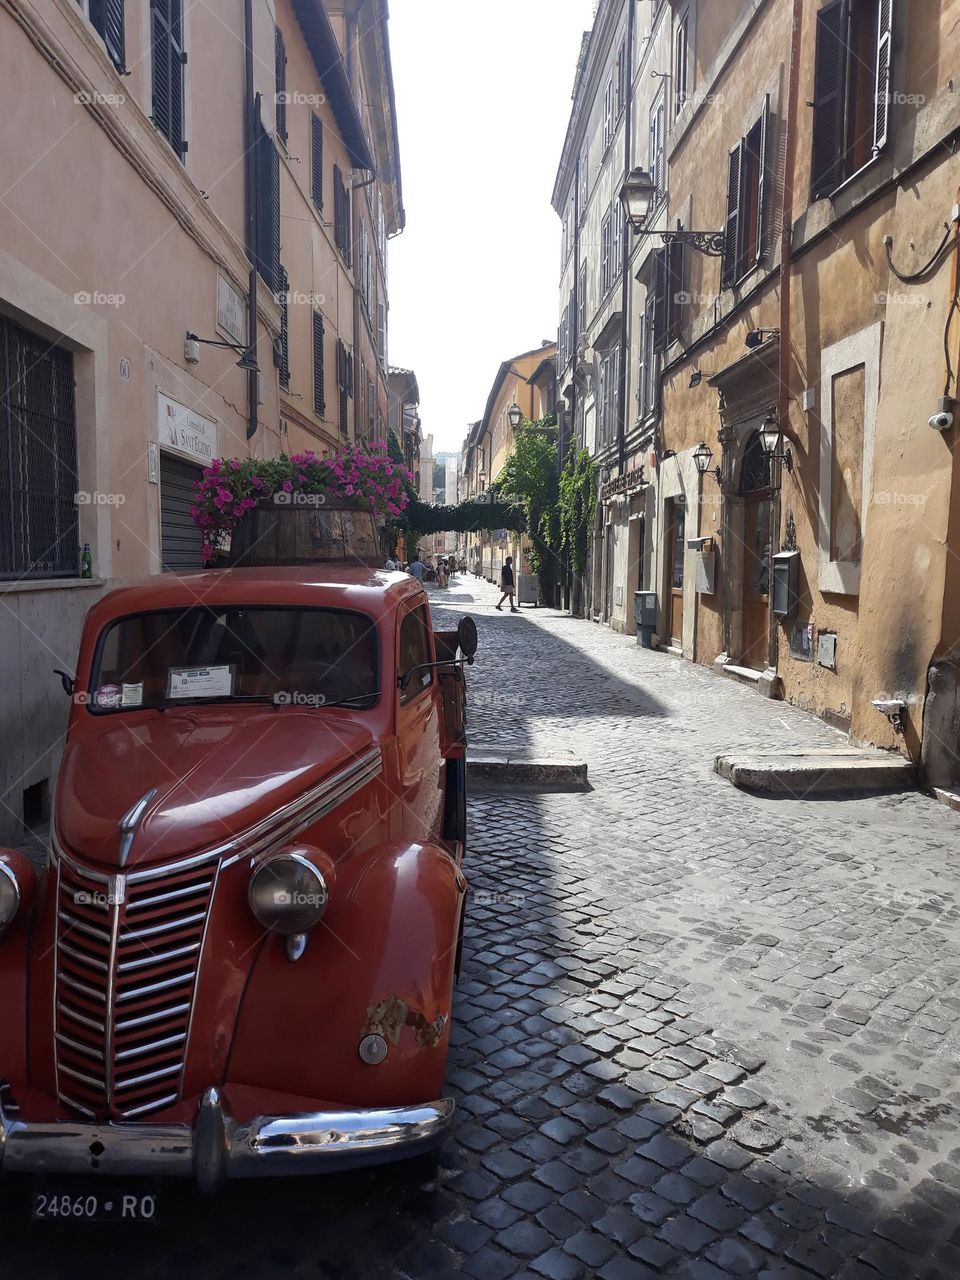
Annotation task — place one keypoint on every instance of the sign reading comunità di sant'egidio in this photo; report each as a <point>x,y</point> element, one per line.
<point>185,431</point>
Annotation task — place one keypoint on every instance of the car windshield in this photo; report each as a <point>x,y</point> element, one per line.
<point>287,656</point>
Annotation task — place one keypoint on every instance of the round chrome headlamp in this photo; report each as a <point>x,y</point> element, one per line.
<point>9,895</point>
<point>288,894</point>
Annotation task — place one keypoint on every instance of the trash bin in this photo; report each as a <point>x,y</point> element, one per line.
<point>645,612</point>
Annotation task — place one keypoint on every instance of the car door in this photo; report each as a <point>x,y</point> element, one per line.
<point>418,724</point>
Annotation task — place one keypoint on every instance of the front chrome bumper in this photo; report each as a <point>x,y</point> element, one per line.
<point>218,1147</point>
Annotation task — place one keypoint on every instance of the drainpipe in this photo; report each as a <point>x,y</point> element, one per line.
<point>786,247</point>
<point>250,174</point>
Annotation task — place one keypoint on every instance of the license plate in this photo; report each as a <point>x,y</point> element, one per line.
<point>96,1202</point>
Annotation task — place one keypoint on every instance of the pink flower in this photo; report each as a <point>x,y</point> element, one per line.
<point>348,490</point>
<point>287,486</point>
<point>234,465</point>
<point>238,511</point>
<point>393,509</point>
<point>256,482</point>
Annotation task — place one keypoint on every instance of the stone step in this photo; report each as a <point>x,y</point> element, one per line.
<point>799,774</point>
<point>507,766</point>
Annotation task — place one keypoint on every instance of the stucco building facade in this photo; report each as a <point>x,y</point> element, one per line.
<point>181,191</point>
<point>831,315</point>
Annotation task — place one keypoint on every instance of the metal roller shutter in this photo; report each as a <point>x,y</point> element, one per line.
<point>180,539</point>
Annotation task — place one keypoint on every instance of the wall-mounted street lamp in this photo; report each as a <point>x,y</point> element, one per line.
<point>771,437</point>
<point>702,455</point>
<point>515,415</point>
<point>638,195</point>
<point>192,344</point>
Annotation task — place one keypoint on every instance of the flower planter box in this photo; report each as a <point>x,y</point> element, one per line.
<point>305,529</point>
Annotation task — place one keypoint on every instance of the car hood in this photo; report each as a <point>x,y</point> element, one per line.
<point>215,771</point>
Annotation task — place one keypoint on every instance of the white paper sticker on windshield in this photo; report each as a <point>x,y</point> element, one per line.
<point>131,695</point>
<point>200,682</point>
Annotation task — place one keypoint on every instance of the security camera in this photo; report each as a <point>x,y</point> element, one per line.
<point>942,420</point>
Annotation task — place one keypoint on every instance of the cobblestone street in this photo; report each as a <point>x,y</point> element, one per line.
<point>698,1034</point>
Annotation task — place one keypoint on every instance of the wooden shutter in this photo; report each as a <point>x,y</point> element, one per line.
<point>675,266</point>
<point>284,329</point>
<point>167,59</point>
<point>106,16</point>
<point>268,209</point>
<point>731,238</point>
<point>660,286</point>
<point>881,117</point>
<point>829,93</point>
<point>280,51</point>
<point>765,182</point>
<point>316,160</point>
<point>319,396</point>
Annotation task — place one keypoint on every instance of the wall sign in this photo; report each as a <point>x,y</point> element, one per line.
<point>185,431</point>
<point>801,641</point>
<point>230,309</point>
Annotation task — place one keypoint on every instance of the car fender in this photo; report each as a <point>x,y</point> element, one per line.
<point>380,962</point>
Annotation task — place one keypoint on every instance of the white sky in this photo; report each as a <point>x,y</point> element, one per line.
<point>483,99</point>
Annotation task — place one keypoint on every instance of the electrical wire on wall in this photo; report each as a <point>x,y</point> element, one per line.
<point>952,234</point>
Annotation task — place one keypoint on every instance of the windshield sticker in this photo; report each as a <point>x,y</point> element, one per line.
<point>108,696</point>
<point>131,695</point>
<point>200,682</point>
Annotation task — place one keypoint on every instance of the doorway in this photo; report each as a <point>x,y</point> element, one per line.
<point>181,542</point>
<point>757,494</point>
<point>676,543</point>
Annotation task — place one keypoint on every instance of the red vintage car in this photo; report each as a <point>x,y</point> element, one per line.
<point>241,958</point>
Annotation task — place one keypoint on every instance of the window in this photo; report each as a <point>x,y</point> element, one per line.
<point>106,17</point>
<point>620,95</point>
<point>651,358</point>
<point>372,409</point>
<point>414,652</point>
<point>584,176</point>
<point>344,385</point>
<point>316,160</point>
<point>608,114</point>
<point>382,332</point>
<point>607,396</point>
<point>341,215</point>
<point>681,62</point>
<point>284,329</point>
<point>641,362</point>
<point>364,265</point>
<point>327,656</point>
<point>606,259</point>
<point>267,160</point>
<point>669,297</point>
<point>38,458</point>
<point>280,53</point>
<point>851,94</point>
<point>582,299</point>
<point>167,58</point>
<point>319,388</point>
<point>655,151</point>
<point>748,182</point>
<point>617,233</point>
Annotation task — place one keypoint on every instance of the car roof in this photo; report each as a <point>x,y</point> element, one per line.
<point>324,585</point>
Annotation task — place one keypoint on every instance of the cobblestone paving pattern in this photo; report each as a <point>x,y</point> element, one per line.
<point>698,1034</point>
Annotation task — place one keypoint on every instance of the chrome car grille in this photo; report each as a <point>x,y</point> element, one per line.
<point>128,953</point>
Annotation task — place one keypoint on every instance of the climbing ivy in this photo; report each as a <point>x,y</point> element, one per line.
<point>577,506</point>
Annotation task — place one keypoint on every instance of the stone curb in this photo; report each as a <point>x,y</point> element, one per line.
<point>525,770</point>
<point>806,774</point>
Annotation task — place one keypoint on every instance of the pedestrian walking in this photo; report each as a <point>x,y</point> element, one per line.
<point>391,564</point>
<point>507,585</point>
<point>418,569</point>
<point>477,568</point>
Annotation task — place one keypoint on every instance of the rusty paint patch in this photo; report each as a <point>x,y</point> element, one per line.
<point>388,1017</point>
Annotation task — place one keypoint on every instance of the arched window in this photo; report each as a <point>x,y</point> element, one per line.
<point>755,468</point>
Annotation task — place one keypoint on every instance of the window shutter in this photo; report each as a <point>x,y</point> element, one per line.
<point>731,239</point>
<point>166,34</point>
<point>267,160</point>
<point>284,329</point>
<point>273,160</point>
<point>281,83</point>
<point>316,160</point>
<point>319,398</point>
<point>881,117</point>
<point>764,186</point>
<point>106,16</point>
<point>675,265</point>
<point>660,286</point>
<point>829,93</point>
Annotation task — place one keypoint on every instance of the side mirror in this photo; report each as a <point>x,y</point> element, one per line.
<point>66,680</point>
<point>467,637</point>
